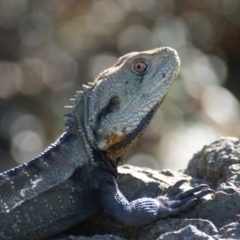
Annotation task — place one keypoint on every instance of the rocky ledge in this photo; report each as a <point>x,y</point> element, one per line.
<point>217,165</point>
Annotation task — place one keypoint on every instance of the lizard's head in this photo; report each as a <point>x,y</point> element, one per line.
<point>125,97</point>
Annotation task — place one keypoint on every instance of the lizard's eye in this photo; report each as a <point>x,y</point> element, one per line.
<point>139,66</point>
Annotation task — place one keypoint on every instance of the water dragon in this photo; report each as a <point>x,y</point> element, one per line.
<point>75,177</point>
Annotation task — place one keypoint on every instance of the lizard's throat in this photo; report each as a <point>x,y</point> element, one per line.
<point>116,150</point>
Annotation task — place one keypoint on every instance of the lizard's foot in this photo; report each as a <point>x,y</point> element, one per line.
<point>174,203</point>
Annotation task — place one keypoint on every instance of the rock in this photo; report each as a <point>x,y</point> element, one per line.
<point>230,231</point>
<point>217,165</point>
<point>96,237</point>
<point>174,225</point>
<point>188,233</point>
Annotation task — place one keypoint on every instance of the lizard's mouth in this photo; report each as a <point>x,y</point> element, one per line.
<point>118,149</point>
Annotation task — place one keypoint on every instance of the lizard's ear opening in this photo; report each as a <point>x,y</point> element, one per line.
<point>114,104</point>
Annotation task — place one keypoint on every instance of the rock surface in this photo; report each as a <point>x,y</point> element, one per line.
<point>217,165</point>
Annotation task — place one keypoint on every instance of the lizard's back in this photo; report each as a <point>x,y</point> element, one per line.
<point>45,181</point>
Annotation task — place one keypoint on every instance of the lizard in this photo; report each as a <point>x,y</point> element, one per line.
<point>76,176</point>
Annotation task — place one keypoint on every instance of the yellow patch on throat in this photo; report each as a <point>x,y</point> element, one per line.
<point>112,140</point>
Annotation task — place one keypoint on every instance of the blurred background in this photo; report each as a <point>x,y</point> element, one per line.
<point>49,48</point>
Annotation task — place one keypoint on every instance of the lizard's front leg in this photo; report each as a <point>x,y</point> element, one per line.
<point>146,210</point>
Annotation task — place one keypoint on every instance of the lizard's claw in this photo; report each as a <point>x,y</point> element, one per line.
<point>174,203</point>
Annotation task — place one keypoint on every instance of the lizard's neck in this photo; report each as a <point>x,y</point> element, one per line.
<point>82,125</point>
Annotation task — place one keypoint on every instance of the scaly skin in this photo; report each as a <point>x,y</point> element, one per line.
<point>76,176</point>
